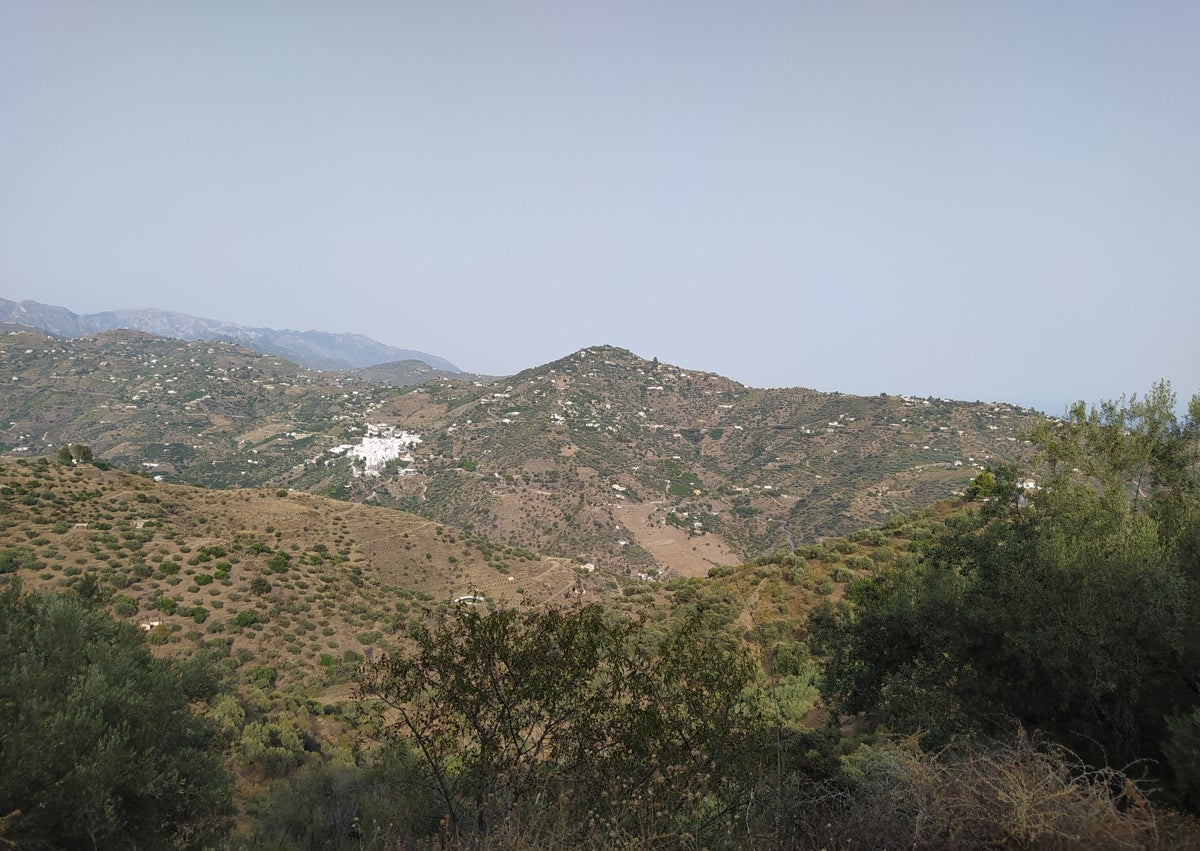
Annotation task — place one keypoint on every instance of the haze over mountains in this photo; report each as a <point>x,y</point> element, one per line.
<point>313,349</point>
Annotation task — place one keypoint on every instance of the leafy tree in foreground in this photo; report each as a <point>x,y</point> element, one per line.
<point>591,715</point>
<point>1069,608</point>
<point>98,744</point>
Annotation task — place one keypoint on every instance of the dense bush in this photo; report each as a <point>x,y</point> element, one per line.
<point>613,722</point>
<point>98,744</point>
<point>1068,608</point>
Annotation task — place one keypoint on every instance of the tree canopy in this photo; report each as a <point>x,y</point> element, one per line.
<point>578,704</point>
<point>99,745</point>
<point>1067,608</point>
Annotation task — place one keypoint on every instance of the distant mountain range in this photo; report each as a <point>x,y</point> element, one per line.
<point>313,349</point>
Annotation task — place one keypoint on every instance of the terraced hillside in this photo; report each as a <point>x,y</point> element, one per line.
<point>290,580</point>
<point>602,457</point>
<point>601,451</point>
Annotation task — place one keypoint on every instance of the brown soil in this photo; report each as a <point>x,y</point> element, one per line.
<point>681,554</point>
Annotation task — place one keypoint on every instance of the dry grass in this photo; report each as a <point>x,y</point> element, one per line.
<point>1024,795</point>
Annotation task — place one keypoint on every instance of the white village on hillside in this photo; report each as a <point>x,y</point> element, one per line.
<point>382,443</point>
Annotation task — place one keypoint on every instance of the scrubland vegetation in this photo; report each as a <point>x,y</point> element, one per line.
<point>1016,668</point>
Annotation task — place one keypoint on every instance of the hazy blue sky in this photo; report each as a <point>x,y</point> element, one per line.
<point>995,201</point>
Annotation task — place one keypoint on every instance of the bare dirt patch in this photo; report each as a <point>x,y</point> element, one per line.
<point>679,553</point>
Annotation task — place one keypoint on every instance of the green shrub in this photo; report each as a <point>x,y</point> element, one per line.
<point>249,617</point>
<point>79,720</point>
<point>790,659</point>
<point>276,748</point>
<point>280,562</point>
